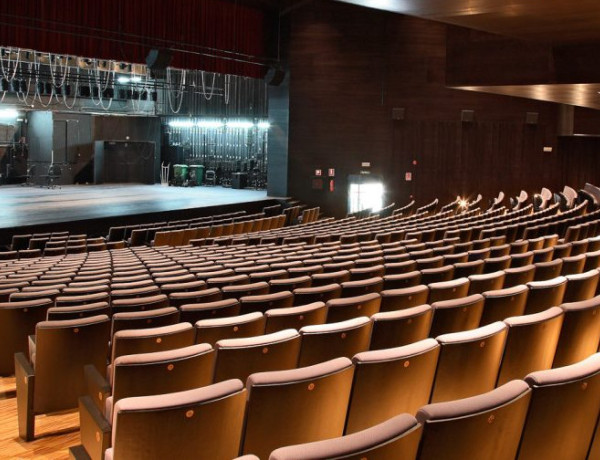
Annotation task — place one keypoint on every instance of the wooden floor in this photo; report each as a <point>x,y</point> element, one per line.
<point>21,206</point>
<point>54,433</point>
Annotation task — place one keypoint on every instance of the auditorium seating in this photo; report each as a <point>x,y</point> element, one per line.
<point>474,358</point>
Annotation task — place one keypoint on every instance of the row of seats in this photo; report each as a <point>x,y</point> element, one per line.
<point>181,237</point>
<point>479,352</point>
<point>339,392</point>
<point>123,232</point>
<point>215,254</point>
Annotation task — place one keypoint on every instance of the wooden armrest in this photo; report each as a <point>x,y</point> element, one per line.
<point>78,453</point>
<point>25,379</point>
<point>95,429</point>
<point>98,388</point>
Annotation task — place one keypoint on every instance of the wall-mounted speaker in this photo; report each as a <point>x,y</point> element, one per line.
<point>398,113</point>
<point>467,116</point>
<point>275,76</point>
<point>531,118</point>
<point>158,60</point>
<point>84,91</point>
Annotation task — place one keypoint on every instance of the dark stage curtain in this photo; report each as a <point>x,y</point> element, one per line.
<point>127,29</point>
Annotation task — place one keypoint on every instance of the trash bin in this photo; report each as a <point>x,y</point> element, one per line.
<point>196,174</point>
<point>180,174</point>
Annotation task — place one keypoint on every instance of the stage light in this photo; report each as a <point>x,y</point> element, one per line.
<point>462,203</point>
<point>263,125</point>
<point>181,124</point>
<point>239,124</point>
<point>210,124</point>
<point>7,114</point>
<point>125,80</point>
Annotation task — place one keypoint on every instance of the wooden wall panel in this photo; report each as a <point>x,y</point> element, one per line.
<point>351,66</point>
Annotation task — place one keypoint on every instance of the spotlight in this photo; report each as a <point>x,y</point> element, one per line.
<point>263,125</point>
<point>462,203</point>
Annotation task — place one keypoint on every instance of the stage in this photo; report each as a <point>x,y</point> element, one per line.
<point>92,209</point>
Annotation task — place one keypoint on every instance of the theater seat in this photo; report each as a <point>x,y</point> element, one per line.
<point>327,341</point>
<point>391,382</point>
<point>487,426</point>
<point>396,438</point>
<point>183,425</point>
<point>314,393</point>
<point>140,374</point>
<point>530,344</point>
<point>563,412</point>
<point>397,328</point>
<point>48,381</point>
<point>17,323</point>
<point>469,362</point>
<point>238,358</point>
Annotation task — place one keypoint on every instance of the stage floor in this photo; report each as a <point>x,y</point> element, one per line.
<point>25,206</point>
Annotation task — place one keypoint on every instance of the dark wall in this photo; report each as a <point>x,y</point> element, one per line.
<point>72,143</point>
<point>351,66</point>
<point>277,148</point>
<point>131,129</point>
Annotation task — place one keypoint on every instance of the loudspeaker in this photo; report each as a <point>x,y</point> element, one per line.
<point>84,91</point>
<point>467,116</point>
<point>274,76</point>
<point>398,113</point>
<point>239,180</point>
<point>159,60</point>
<point>531,118</point>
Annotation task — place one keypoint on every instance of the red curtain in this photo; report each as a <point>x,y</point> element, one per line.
<point>214,35</point>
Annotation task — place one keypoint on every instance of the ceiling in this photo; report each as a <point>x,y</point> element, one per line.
<point>582,95</point>
<point>557,21</point>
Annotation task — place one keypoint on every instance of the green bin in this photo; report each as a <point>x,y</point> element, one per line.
<point>180,174</point>
<point>196,174</point>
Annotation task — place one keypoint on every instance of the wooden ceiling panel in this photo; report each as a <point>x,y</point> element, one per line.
<point>581,95</point>
<point>557,21</point>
